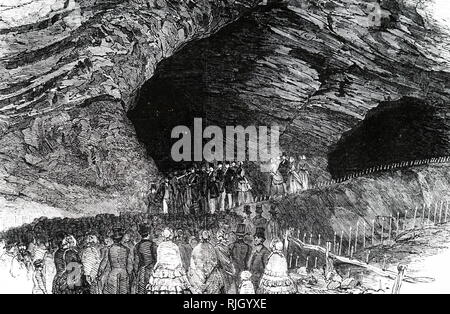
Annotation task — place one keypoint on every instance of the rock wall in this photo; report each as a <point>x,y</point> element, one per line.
<point>70,70</point>
<point>367,199</point>
<point>316,68</point>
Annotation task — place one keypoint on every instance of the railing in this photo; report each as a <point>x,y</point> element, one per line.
<point>382,168</point>
<point>364,236</point>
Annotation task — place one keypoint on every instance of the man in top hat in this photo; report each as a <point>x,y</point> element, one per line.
<point>249,227</point>
<point>283,169</point>
<point>259,257</point>
<point>220,177</point>
<point>144,259</point>
<point>259,221</point>
<point>240,251</point>
<point>229,178</point>
<point>273,226</point>
<point>213,189</point>
<point>118,264</point>
<point>164,195</point>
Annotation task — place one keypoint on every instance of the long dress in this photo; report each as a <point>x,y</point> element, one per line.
<point>275,279</point>
<point>303,177</point>
<point>49,271</point>
<point>144,260</point>
<point>227,267</point>
<point>72,280</point>
<point>91,258</point>
<point>204,273</point>
<point>60,267</point>
<point>295,183</point>
<point>119,262</point>
<point>169,275</point>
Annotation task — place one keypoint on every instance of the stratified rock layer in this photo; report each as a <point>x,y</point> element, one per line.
<point>70,70</point>
<point>316,68</point>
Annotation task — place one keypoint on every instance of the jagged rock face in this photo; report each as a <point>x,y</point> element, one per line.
<point>314,68</point>
<point>72,71</point>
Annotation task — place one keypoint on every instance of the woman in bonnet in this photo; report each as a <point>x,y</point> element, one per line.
<point>275,279</point>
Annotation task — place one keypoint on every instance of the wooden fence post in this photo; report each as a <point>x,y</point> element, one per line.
<point>350,240</point>
<point>340,242</point>
<point>446,211</point>
<point>364,234</point>
<point>434,215</point>
<point>415,215</point>
<point>423,215</point>
<point>390,228</point>
<point>356,235</point>
<point>406,220</point>
<point>373,232</point>
<point>334,242</point>
<point>429,213</point>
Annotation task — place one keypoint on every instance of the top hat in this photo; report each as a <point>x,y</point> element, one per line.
<point>260,233</point>
<point>117,234</point>
<point>272,209</point>
<point>144,230</point>
<point>258,208</point>
<point>240,230</point>
<point>247,209</point>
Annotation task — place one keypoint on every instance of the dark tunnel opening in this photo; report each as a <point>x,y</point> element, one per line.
<point>202,80</point>
<point>403,130</point>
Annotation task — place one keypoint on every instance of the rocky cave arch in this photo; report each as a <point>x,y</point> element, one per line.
<point>66,140</point>
<point>396,131</point>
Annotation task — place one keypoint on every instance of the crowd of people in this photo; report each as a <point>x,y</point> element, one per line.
<point>206,188</point>
<point>143,253</point>
<point>220,187</point>
<point>196,242</point>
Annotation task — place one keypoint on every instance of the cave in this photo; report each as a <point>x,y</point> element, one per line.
<point>92,89</point>
<point>396,131</point>
<point>205,79</point>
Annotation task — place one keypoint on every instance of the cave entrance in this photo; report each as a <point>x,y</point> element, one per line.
<point>205,79</point>
<point>403,130</point>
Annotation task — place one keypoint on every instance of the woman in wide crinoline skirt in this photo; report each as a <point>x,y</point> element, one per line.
<point>169,275</point>
<point>275,279</point>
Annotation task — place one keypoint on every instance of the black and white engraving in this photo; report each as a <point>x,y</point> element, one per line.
<point>224,147</point>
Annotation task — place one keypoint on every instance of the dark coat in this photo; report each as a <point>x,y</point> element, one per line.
<point>119,262</point>
<point>144,260</point>
<point>220,179</point>
<point>229,179</point>
<point>240,252</point>
<point>257,264</point>
<point>284,168</point>
<point>213,188</point>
